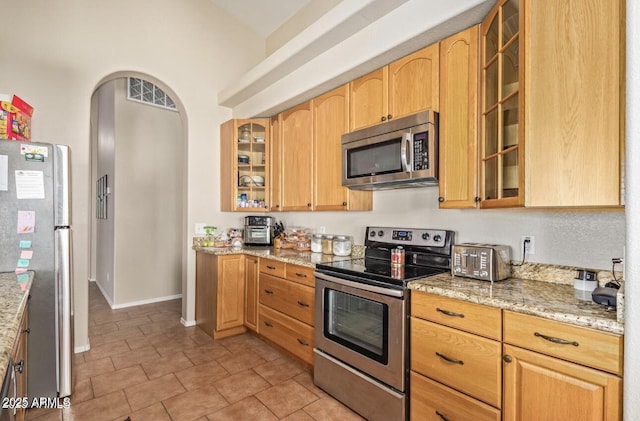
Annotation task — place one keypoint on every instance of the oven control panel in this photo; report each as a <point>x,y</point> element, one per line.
<point>408,236</point>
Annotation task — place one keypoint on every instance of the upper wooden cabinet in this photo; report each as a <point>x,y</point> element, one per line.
<point>296,143</point>
<point>458,120</point>
<point>244,165</point>
<point>275,168</point>
<point>404,87</point>
<point>330,122</point>
<point>551,150</point>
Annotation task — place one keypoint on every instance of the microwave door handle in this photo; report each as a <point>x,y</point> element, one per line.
<point>406,151</point>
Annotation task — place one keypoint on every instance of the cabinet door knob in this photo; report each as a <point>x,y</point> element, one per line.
<point>507,358</point>
<point>344,203</point>
<point>440,199</point>
<point>19,367</point>
<point>309,204</point>
<point>389,116</point>
<point>477,199</point>
<point>383,118</point>
<point>277,206</point>
<point>27,330</point>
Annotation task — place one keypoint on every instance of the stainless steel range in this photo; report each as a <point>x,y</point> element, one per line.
<point>361,332</point>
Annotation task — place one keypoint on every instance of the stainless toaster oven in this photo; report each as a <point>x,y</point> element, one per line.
<point>486,262</point>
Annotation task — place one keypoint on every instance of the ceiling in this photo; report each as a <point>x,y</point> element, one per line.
<point>269,14</point>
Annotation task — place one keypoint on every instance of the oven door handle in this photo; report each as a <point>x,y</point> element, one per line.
<point>370,288</point>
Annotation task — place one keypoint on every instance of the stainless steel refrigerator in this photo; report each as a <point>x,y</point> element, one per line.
<point>35,235</point>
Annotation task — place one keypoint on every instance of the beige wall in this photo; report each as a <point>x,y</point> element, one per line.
<point>56,53</point>
<point>147,192</point>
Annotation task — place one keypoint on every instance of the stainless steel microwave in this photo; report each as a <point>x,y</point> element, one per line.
<point>395,154</point>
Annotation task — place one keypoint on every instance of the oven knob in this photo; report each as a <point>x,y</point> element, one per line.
<point>437,238</point>
<point>426,236</point>
<point>372,234</point>
<point>380,233</point>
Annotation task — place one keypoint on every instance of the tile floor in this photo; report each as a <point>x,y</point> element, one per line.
<point>145,365</point>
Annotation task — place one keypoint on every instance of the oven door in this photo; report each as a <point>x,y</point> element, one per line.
<point>363,326</point>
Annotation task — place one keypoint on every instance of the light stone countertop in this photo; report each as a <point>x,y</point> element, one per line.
<point>13,301</point>
<point>544,299</point>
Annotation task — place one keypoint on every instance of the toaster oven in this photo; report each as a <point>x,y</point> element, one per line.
<point>486,262</point>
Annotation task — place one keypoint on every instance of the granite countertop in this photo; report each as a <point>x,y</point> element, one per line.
<point>545,299</point>
<point>13,301</point>
<point>302,258</point>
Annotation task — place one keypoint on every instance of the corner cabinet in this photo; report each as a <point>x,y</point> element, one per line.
<point>220,294</point>
<point>547,68</point>
<point>458,120</point>
<point>244,165</point>
<point>404,87</point>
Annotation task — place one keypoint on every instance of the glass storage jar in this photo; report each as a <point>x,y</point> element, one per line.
<point>327,244</point>
<point>342,245</point>
<point>316,243</point>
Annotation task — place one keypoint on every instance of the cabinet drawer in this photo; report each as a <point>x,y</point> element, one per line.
<point>301,274</point>
<point>470,317</point>
<point>585,346</point>
<point>272,267</point>
<point>432,401</point>
<point>292,299</point>
<point>292,335</point>
<point>466,362</point>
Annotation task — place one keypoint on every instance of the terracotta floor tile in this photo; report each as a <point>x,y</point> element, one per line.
<point>155,412</point>
<point>118,380</point>
<point>172,346</point>
<point>153,391</point>
<point>279,370</point>
<point>201,375</point>
<point>329,409</point>
<point>241,385</point>
<point>105,350</point>
<point>298,416</point>
<point>118,335</point>
<point>136,356</point>
<point>103,318</point>
<point>162,316</point>
<point>158,367</point>
<point>106,408</point>
<point>82,391</point>
<point>239,343</point>
<point>194,404</point>
<point>205,353</point>
<point>286,398</point>
<point>133,322</point>
<point>267,352</point>
<point>93,368</point>
<point>306,379</point>
<point>155,327</point>
<point>41,414</point>
<point>241,361</point>
<point>146,340</point>
<point>246,409</point>
<point>102,329</point>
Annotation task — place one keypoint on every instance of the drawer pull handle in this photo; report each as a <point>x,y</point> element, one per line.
<point>450,313</point>
<point>300,303</point>
<point>271,267</point>
<point>303,343</point>
<point>448,359</point>
<point>267,324</point>
<point>556,340</point>
<point>442,417</point>
<point>300,275</point>
<point>268,291</point>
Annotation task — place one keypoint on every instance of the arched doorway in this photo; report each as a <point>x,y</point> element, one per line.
<point>138,167</point>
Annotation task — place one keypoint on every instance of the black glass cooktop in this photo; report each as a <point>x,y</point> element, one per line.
<point>377,270</point>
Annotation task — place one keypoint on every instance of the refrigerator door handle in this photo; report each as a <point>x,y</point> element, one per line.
<point>64,304</point>
<point>62,185</point>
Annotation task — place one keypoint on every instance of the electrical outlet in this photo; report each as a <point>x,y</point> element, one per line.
<point>200,228</point>
<point>530,247</point>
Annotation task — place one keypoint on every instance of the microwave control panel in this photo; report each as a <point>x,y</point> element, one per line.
<point>421,151</point>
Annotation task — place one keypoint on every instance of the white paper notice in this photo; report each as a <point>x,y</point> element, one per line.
<point>4,173</point>
<point>29,184</point>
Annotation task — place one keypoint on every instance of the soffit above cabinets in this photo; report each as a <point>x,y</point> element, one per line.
<point>352,39</point>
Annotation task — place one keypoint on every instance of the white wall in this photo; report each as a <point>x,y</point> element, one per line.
<point>54,55</point>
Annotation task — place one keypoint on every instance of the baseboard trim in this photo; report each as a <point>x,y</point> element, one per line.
<point>142,302</point>
<point>104,294</point>
<point>187,323</point>
<point>79,349</point>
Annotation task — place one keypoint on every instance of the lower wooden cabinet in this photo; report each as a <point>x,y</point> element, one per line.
<point>539,387</point>
<point>432,401</point>
<point>220,294</point>
<point>290,334</point>
<point>251,271</point>
<point>19,358</point>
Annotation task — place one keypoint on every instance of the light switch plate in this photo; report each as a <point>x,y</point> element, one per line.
<point>200,228</point>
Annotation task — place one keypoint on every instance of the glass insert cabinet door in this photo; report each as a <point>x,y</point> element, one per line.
<point>252,160</point>
<point>501,147</point>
